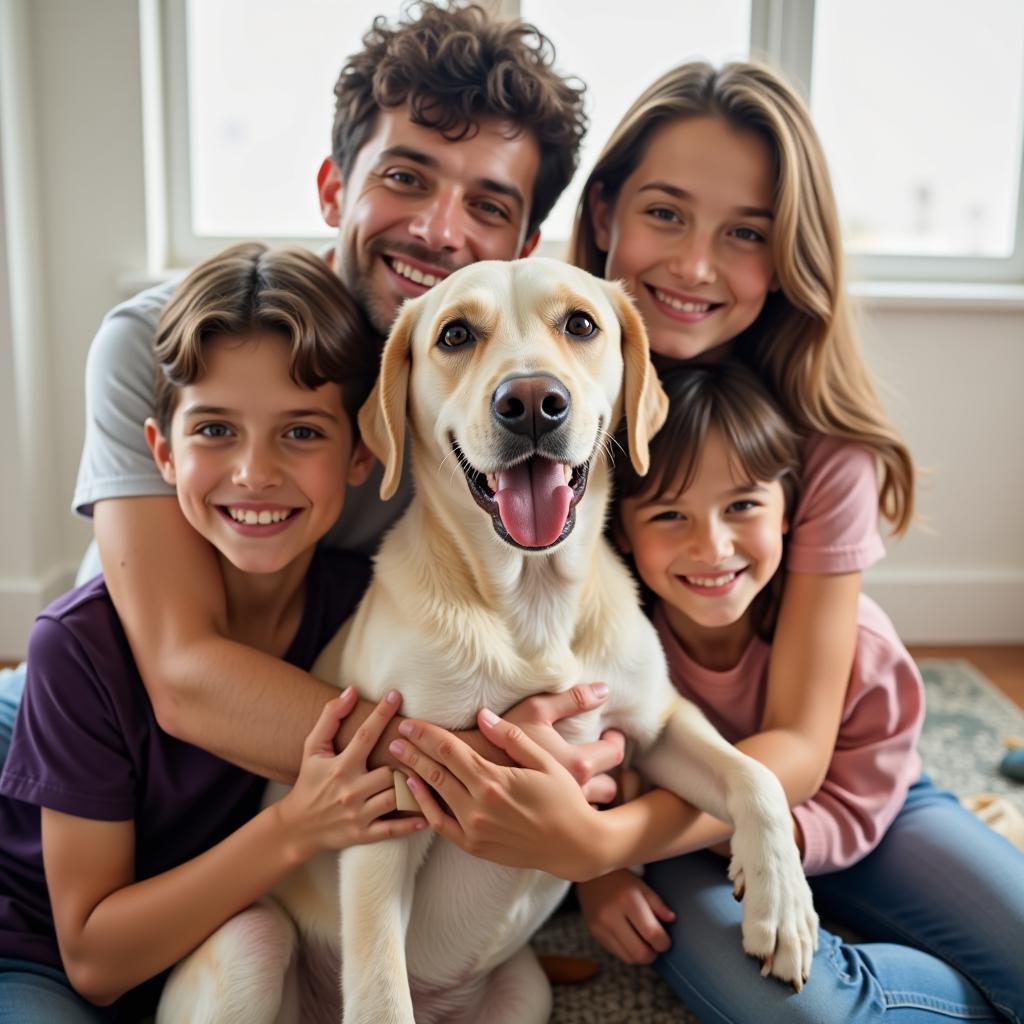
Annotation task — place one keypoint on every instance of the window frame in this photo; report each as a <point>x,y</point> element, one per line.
<point>781,33</point>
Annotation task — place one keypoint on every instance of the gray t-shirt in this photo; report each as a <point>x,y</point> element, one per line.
<point>119,394</point>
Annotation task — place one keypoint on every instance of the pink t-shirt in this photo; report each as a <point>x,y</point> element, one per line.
<point>875,760</point>
<point>835,530</point>
<point>835,526</point>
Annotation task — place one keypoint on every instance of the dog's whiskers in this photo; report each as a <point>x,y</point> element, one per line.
<point>454,466</point>
<point>607,442</point>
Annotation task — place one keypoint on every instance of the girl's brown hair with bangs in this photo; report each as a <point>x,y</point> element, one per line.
<point>726,398</point>
<point>803,344</point>
<point>252,288</point>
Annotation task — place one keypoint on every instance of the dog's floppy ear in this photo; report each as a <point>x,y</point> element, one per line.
<point>645,403</point>
<point>382,417</point>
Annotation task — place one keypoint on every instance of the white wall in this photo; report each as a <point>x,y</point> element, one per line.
<point>73,218</point>
<point>954,378</point>
<point>72,221</point>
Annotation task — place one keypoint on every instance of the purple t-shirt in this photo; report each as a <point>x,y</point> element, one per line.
<point>87,743</point>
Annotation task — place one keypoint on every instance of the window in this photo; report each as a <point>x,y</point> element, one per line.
<point>920,108</point>
<point>921,116</point>
<point>259,119</point>
<point>585,34</point>
<point>245,115</point>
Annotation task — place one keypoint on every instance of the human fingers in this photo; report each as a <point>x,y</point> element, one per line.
<point>379,804</point>
<point>377,780</point>
<point>394,828</point>
<point>553,707</point>
<point>357,750</point>
<point>609,941</point>
<point>640,948</point>
<point>435,753</point>
<point>602,755</point>
<point>601,789</point>
<point>443,824</point>
<point>621,935</point>
<point>452,785</point>
<point>646,918</point>
<point>663,911</point>
<point>321,738</point>
<point>514,741</point>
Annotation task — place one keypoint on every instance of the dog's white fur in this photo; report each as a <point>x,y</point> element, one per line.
<point>458,618</point>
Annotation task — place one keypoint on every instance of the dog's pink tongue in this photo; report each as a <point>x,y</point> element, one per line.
<point>533,501</point>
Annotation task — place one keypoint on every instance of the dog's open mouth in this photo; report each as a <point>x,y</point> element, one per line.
<point>532,504</point>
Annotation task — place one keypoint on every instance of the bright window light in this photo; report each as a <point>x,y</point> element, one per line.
<point>261,103</point>
<point>920,110</point>
<point>619,49</point>
<point>261,78</point>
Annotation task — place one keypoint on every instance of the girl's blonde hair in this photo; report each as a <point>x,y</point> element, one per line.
<point>803,342</point>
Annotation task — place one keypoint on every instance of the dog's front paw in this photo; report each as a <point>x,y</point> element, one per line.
<point>780,926</point>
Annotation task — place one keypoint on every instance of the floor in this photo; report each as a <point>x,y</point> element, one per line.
<point>1004,665</point>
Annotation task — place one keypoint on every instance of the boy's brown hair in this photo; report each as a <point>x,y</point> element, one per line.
<point>729,398</point>
<point>252,288</point>
<point>454,65</point>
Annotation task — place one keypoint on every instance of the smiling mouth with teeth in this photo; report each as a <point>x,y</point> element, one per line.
<point>410,273</point>
<point>250,517</point>
<point>710,582</point>
<point>681,306</point>
<point>532,504</point>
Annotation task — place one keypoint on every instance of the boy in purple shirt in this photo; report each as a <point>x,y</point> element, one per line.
<point>148,843</point>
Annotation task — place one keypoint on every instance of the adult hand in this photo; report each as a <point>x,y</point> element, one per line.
<point>587,763</point>
<point>531,814</point>
<point>625,915</point>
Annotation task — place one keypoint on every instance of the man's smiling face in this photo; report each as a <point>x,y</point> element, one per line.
<point>417,207</point>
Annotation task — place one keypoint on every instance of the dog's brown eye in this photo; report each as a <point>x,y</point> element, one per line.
<point>455,335</point>
<point>580,326</point>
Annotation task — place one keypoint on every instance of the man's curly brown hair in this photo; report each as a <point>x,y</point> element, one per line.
<point>453,65</point>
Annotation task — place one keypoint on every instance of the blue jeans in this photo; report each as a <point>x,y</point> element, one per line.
<point>12,683</point>
<point>940,902</point>
<point>33,994</point>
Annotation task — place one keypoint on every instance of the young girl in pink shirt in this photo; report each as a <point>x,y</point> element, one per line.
<point>937,894</point>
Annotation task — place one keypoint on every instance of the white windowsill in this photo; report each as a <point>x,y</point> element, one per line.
<point>939,295</point>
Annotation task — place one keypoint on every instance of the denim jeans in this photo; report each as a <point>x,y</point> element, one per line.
<point>12,683</point>
<point>939,903</point>
<point>33,994</point>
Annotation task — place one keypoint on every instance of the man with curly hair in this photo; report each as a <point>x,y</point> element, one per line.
<point>453,137</point>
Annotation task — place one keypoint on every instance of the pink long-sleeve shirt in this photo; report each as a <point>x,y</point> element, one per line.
<point>875,762</point>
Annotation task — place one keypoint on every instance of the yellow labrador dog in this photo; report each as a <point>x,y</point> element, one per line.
<point>507,381</point>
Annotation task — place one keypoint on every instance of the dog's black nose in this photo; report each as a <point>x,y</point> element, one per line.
<point>531,405</point>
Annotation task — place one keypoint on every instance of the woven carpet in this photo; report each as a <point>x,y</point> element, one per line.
<point>961,746</point>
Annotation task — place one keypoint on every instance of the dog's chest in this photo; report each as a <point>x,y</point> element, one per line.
<point>449,658</point>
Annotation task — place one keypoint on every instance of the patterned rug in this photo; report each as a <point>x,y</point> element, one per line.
<point>961,747</point>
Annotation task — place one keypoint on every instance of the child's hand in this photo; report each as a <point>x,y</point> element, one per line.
<point>625,914</point>
<point>528,815</point>
<point>336,802</point>
<point>588,763</point>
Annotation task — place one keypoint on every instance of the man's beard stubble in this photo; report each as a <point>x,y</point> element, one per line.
<point>358,278</point>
